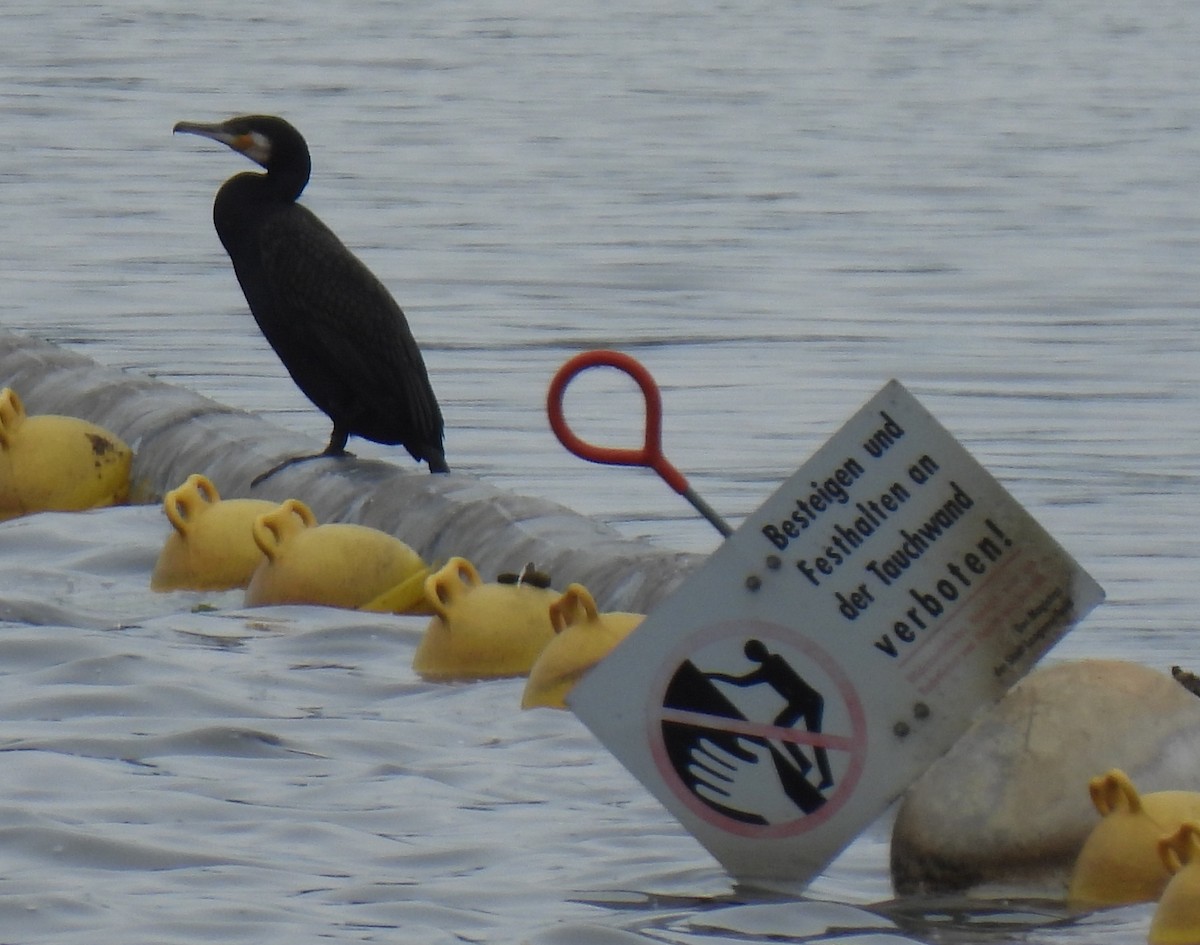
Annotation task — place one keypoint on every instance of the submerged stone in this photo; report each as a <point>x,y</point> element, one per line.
<point>1007,809</point>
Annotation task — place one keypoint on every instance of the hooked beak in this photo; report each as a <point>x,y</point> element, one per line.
<point>250,143</point>
<point>217,132</point>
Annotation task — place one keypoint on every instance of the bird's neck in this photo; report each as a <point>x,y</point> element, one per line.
<point>282,185</point>
<point>244,203</point>
<point>289,182</point>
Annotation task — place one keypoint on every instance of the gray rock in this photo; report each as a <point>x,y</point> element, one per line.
<point>1007,808</point>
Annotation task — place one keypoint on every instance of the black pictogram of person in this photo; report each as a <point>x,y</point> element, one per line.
<point>803,702</point>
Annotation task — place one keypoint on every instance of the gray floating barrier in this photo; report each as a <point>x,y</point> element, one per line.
<point>174,433</point>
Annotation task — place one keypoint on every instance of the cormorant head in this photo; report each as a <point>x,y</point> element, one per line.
<point>268,141</point>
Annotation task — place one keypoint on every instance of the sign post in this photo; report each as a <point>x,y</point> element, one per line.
<point>835,645</point>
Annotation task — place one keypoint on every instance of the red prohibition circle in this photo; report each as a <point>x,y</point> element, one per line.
<point>854,741</point>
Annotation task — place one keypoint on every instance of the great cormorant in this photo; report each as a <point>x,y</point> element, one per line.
<point>338,331</point>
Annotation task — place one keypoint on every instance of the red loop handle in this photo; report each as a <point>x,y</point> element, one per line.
<point>651,454</point>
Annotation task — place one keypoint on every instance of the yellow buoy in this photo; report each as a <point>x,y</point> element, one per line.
<point>1120,862</point>
<point>407,597</point>
<point>481,630</point>
<point>583,637</point>
<point>338,565</point>
<point>1177,919</point>
<point>211,546</point>
<point>50,463</point>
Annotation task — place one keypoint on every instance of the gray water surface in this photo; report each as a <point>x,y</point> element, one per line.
<point>777,207</point>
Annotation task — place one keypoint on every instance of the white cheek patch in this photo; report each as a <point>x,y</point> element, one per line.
<point>259,149</point>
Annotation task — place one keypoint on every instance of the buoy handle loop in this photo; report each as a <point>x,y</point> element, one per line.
<point>575,606</point>
<point>183,503</point>
<point>271,528</point>
<point>650,454</point>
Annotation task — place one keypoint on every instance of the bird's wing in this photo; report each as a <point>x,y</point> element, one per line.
<point>347,344</point>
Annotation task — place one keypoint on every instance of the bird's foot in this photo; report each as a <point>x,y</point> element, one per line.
<point>291,461</point>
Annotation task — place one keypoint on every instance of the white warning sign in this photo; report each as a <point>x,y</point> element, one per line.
<point>835,645</point>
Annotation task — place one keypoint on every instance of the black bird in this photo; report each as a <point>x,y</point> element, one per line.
<point>338,331</point>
